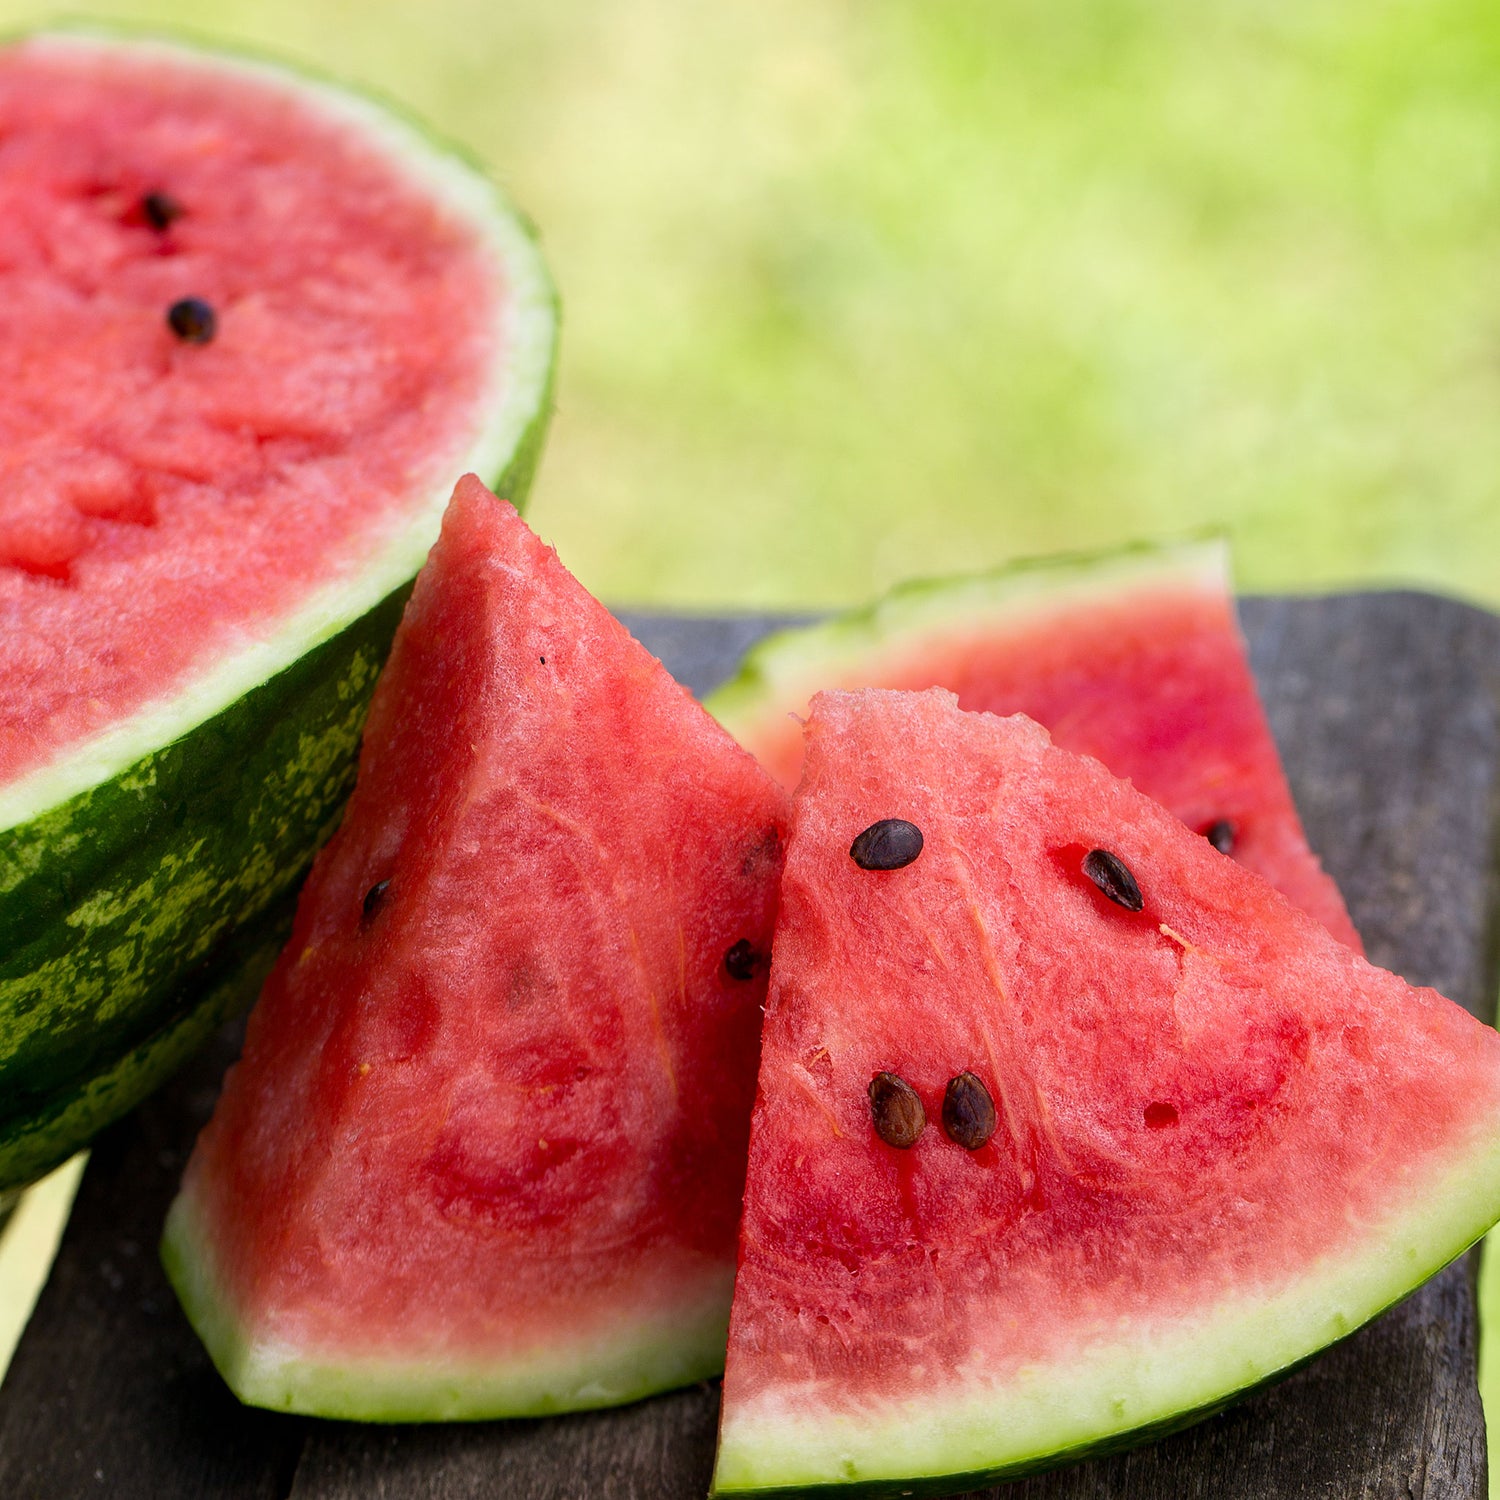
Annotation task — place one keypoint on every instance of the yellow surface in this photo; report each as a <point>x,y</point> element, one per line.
<point>1489,1350</point>
<point>27,1245</point>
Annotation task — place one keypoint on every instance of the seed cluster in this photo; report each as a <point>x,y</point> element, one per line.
<point>899,1118</point>
<point>969,1114</point>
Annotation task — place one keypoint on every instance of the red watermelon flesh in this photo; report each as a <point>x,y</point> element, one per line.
<point>1132,657</point>
<point>1223,1138</point>
<point>484,1150</point>
<point>165,502</point>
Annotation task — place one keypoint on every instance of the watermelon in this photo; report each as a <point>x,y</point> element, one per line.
<point>1132,656</point>
<point>483,1152</point>
<point>1067,1127</point>
<point>252,327</point>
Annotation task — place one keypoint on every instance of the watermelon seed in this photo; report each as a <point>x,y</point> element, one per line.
<point>159,210</point>
<point>968,1112</point>
<point>899,1116</point>
<point>889,844</point>
<point>193,320</point>
<point>373,897</point>
<point>742,961</point>
<point>1160,1115</point>
<point>1110,873</point>
<point>1221,835</point>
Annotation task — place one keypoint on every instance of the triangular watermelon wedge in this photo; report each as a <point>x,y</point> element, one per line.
<point>1132,655</point>
<point>483,1152</point>
<point>1221,1139</point>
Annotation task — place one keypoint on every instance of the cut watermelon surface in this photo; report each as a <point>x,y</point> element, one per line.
<point>484,1150</point>
<point>252,327</point>
<point>1133,657</point>
<point>1221,1140</point>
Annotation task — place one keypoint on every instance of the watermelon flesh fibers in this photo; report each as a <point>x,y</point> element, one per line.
<point>484,1149</point>
<point>206,541</point>
<point>164,499</point>
<point>1223,1140</point>
<point>1133,657</point>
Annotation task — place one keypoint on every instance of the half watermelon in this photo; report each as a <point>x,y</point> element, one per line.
<point>484,1150</point>
<point>1068,1128</point>
<point>1132,656</point>
<point>251,328</point>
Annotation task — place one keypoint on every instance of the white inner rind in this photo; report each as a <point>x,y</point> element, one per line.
<point>803,1434</point>
<point>626,1355</point>
<point>524,335</point>
<point>790,665</point>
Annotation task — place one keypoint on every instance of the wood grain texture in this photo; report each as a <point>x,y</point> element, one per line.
<point>1388,711</point>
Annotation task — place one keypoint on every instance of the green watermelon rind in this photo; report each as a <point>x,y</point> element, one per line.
<point>1117,1399</point>
<point>790,665</point>
<point>127,868</point>
<point>644,1356</point>
<point>212,994</point>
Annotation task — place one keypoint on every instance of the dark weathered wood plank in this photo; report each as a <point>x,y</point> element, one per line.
<point>1386,707</point>
<point>110,1392</point>
<point>659,1450</point>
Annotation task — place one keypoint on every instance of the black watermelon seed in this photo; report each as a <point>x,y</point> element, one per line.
<point>193,320</point>
<point>741,961</point>
<point>898,1113</point>
<point>968,1112</point>
<point>887,845</point>
<point>1220,834</point>
<point>373,897</point>
<point>1109,872</point>
<point>160,210</point>
<point>1160,1115</point>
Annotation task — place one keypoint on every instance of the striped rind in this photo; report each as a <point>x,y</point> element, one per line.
<point>209,996</point>
<point>629,1355</point>
<point>128,866</point>
<point>790,665</point>
<point>1104,1396</point>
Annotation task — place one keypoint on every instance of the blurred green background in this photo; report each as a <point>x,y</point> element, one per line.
<point>857,289</point>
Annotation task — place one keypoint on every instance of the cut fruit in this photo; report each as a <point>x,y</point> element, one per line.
<point>1133,657</point>
<point>1221,1140</point>
<point>483,1153</point>
<point>209,522</point>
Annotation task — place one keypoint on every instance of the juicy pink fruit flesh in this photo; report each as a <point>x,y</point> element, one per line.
<point>1197,1103</point>
<point>161,501</point>
<point>505,1109</point>
<point>1155,685</point>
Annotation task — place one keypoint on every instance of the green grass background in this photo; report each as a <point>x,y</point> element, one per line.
<point>856,289</point>
<point>861,289</point>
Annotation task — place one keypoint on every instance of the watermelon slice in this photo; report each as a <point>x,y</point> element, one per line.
<point>1133,657</point>
<point>484,1151</point>
<point>252,327</point>
<point>1176,1138</point>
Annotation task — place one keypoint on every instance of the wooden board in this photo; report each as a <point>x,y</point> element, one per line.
<point>1388,711</point>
